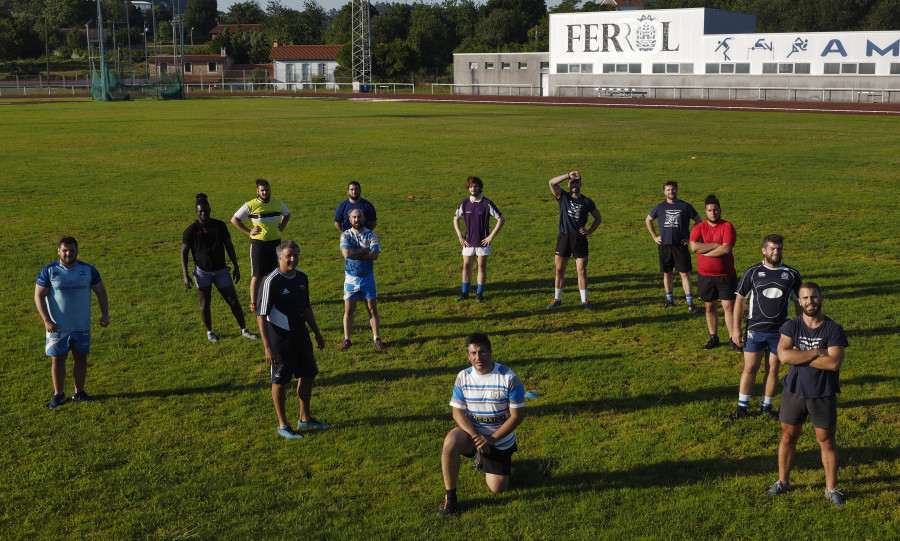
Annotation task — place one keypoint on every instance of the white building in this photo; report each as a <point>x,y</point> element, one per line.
<point>295,65</point>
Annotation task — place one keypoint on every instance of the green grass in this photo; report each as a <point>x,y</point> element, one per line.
<point>630,437</point>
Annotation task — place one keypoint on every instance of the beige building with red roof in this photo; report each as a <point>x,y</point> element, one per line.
<point>298,64</point>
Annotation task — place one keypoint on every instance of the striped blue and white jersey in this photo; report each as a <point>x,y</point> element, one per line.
<point>488,398</point>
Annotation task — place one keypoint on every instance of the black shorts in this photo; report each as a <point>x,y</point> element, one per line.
<point>295,357</point>
<point>714,288</point>
<point>263,259</point>
<point>499,462</point>
<point>794,409</point>
<point>674,255</point>
<point>566,246</point>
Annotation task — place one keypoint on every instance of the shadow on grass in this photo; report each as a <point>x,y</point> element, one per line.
<point>871,331</point>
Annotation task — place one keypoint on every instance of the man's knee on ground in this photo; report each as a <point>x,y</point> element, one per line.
<point>497,483</point>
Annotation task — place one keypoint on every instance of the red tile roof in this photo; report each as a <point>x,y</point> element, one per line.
<point>232,28</point>
<point>305,52</point>
<point>187,58</point>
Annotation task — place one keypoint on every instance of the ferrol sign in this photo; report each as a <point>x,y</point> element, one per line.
<point>645,35</point>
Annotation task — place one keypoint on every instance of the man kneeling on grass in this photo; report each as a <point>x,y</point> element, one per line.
<point>488,404</point>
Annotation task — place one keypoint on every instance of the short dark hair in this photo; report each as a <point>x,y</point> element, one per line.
<point>471,181</point>
<point>479,339</point>
<point>711,200</point>
<point>67,240</point>
<point>354,183</point>
<point>671,182</point>
<point>261,182</point>
<point>774,238</point>
<point>811,285</point>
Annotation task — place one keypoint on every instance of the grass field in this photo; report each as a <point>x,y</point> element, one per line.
<point>630,438</point>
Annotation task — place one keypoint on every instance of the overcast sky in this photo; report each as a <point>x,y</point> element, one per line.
<point>328,5</point>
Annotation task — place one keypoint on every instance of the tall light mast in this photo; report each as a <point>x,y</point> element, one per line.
<point>361,45</point>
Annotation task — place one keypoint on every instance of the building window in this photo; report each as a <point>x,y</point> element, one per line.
<point>562,68</point>
<point>304,72</point>
<point>671,68</point>
<point>686,68</point>
<point>895,68</point>
<point>785,68</point>
<point>634,68</point>
<point>832,68</point>
<point>187,67</point>
<point>658,68</point>
<point>727,68</point>
<point>321,69</point>
<point>488,65</point>
<point>163,67</point>
<point>848,68</point>
<point>289,73</point>
<point>743,67</point>
<point>504,65</point>
<point>545,65</point>
<point>609,68</point>
<point>523,65</point>
<point>712,68</point>
<point>867,68</point>
<point>473,65</point>
<point>770,67</point>
<point>212,67</point>
<point>802,68</point>
<point>587,68</point>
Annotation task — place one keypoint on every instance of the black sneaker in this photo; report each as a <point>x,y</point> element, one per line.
<point>713,343</point>
<point>56,401</point>
<point>771,413</point>
<point>448,508</point>
<point>739,413</point>
<point>669,304</point>
<point>780,488</point>
<point>478,462</point>
<point>82,396</point>
<point>479,297</point>
<point>693,309</point>
<point>835,497</point>
<point>463,297</point>
<point>735,347</point>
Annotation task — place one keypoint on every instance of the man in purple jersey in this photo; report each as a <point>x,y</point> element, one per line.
<point>476,210</point>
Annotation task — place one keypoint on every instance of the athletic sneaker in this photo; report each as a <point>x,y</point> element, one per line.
<point>554,304</point>
<point>713,343</point>
<point>379,344</point>
<point>693,309</point>
<point>312,423</point>
<point>211,336</point>
<point>780,488</point>
<point>448,508</point>
<point>345,344</point>
<point>735,347</point>
<point>739,413</point>
<point>463,297</point>
<point>82,396</point>
<point>587,305</point>
<point>835,497</point>
<point>249,335</point>
<point>57,400</point>
<point>478,461</point>
<point>479,297</point>
<point>669,304</point>
<point>286,432</point>
<point>771,413</point>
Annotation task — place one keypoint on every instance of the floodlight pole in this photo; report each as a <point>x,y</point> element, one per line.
<point>104,82</point>
<point>130,61</point>
<point>361,43</point>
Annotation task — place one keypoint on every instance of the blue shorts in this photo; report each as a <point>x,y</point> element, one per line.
<point>762,341</point>
<point>221,277</point>
<point>60,343</point>
<point>356,287</point>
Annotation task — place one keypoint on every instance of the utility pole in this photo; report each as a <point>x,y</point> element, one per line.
<point>361,46</point>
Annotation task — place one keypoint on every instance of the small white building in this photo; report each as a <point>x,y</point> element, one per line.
<point>295,65</point>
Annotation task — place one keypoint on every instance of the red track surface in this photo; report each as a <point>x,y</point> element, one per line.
<point>890,109</point>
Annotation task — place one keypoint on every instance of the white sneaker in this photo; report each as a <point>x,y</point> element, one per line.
<point>249,335</point>
<point>211,336</point>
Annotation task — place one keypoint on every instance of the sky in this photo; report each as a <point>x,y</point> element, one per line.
<point>328,5</point>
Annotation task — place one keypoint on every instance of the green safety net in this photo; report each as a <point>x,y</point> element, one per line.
<point>168,87</point>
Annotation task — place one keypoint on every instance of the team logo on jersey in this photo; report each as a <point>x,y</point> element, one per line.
<point>807,343</point>
<point>784,276</point>
<point>286,292</point>
<point>495,395</point>
<point>761,274</point>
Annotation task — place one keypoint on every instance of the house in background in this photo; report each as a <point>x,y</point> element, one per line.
<point>232,29</point>
<point>197,67</point>
<point>294,65</point>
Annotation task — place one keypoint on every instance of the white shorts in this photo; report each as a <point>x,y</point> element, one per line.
<point>480,251</point>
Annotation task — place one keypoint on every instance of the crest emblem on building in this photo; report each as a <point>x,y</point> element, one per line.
<point>645,35</point>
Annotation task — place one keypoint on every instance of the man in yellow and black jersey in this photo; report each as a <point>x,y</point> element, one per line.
<point>268,217</point>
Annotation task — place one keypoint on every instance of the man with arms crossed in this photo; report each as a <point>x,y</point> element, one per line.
<point>62,296</point>
<point>767,288</point>
<point>342,214</point>
<point>574,209</point>
<point>713,242</point>
<point>477,211</point>
<point>674,217</point>
<point>269,218</point>
<point>360,248</point>
<point>207,240</point>
<point>488,404</point>
<point>813,345</point>
<point>284,312</point>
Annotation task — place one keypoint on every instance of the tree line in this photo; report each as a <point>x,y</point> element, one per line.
<point>406,38</point>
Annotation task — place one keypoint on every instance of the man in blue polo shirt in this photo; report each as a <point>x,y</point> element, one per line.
<point>360,248</point>
<point>354,202</point>
<point>62,296</point>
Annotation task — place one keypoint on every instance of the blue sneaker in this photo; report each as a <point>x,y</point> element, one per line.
<point>57,400</point>
<point>554,304</point>
<point>286,432</point>
<point>587,305</point>
<point>82,396</point>
<point>312,423</point>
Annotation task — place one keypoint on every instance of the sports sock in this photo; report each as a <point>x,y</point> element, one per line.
<point>670,296</point>
<point>743,401</point>
<point>465,287</point>
<point>375,338</point>
<point>689,298</point>
<point>451,495</point>
<point>767,403</point>
<point>480,289</point>
<point>558,294</point>
<point>210,332</point>
<point>583,295</point>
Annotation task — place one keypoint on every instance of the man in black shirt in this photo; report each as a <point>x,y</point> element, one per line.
<point>207,240</point>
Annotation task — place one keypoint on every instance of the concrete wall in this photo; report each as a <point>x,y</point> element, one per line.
<point>463,74</point>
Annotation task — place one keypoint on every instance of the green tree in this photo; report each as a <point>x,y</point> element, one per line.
<point>394,58</point>
<point>247,12</point>
<point>200,15</point>
<point>18,39</point>
<point>341,25</point>
<point>429,39</point>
